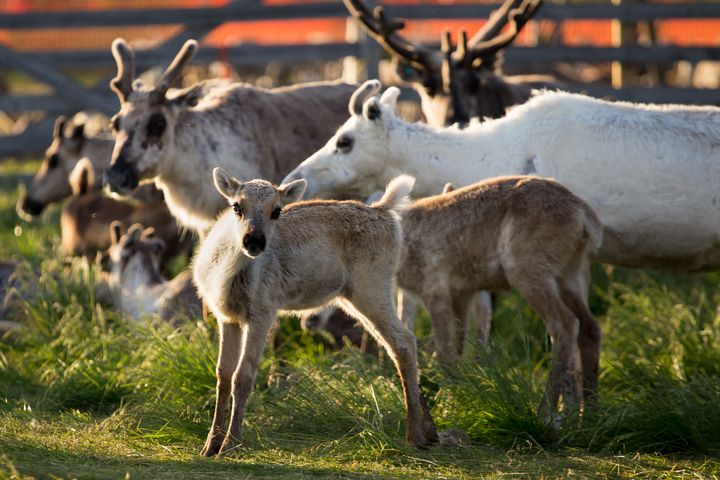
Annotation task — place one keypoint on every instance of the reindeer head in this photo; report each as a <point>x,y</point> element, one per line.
<point>257,204</point>
<point>475,64</point>
<point>145,124</point>
<point>357,151</point>
<point>134,256</point>
<point>51,183</point>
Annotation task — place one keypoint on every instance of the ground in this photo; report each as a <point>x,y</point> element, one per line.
<point>86,394</point>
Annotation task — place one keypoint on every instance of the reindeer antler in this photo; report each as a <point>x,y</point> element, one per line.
<point>385,32</point>
<point>496,22</point>
<point>450,85</point>
<point>171,73</point>
<point>517,18</point>
<point>125,59</point>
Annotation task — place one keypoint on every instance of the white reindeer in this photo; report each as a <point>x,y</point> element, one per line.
<point>267,254</point>
<point>651,172</point>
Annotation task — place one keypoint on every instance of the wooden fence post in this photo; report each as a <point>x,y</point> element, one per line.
<point>623,35</point>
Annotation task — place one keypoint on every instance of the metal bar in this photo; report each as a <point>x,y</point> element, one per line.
<point>24,103</point>
<point>33,140</point>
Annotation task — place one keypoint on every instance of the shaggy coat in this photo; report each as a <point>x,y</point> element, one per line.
<point>255,263</point>
<point>526,233</point>
<point>649,171</point>
<point>176,139</point>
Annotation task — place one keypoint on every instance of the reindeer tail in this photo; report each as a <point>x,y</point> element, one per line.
<point>396,194</point>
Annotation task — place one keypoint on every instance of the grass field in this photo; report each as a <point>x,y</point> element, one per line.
<point>85,394</point>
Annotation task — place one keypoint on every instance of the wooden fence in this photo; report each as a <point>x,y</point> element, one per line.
<point>69,96</point>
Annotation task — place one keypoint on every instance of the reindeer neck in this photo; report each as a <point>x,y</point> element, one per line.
<point>437,156</point>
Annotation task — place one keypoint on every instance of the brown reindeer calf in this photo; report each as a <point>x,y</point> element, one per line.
<point>523,232</point>
<point>85,218</point>
<point>267,254</point>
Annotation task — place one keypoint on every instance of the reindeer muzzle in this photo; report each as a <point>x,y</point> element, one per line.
<point>121,177</point>
<point>26,206</point>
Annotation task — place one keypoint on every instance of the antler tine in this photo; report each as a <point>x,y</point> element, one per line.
<point>450,81</point>
<point>385,31</point>
<point>171,73</point>
<point>517,18</point>
<point>496,22</point>
<point>125,60</point>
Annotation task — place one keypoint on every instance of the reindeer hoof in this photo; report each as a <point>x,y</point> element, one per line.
<point>228,445</point>
<point>453,438</point>
<point>212,446</point>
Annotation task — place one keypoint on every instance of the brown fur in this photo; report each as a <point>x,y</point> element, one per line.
<point>85,219</point>
<point>314,253</point>
<point>526,233</point>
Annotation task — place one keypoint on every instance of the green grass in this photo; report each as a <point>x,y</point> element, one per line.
<point>85,394</point>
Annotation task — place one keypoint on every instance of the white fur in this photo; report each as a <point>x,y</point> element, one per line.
<point>651,172</point>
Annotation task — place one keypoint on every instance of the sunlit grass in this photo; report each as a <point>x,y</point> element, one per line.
<point>86,394</point>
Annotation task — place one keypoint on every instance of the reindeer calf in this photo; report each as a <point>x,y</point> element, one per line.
<point>136,285</point>
<point>523,232</point>
<point>85,218</point>
<point>266,254</point>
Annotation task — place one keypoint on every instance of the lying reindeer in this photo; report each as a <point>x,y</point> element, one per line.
<point>136,285</point>
<point>85,218</point>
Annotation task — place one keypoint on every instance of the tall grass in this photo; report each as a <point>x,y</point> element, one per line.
<point>659,386</point>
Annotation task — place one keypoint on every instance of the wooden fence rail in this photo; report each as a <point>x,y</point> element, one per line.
<point>69,96</point>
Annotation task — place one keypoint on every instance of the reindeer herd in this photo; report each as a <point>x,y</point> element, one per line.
<point>514,187</point>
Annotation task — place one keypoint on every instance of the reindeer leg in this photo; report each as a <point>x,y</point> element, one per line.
<point>253,343</point>
<point>378,316</point>
<point>226,364</point>
<point>543,295</point>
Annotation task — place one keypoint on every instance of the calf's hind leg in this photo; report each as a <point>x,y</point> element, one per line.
<point>543,295</point>
<point>379,318</point>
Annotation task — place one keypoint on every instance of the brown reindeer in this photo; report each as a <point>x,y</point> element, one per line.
<point>485,91</point>
<point>51,183</point>
<point>267,254</point>
<point>85,218</point>
<point>521,232</point>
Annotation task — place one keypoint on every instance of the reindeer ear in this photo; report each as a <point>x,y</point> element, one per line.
<point>363,92</point>
<point>371,110</point>
<point>293,191</point>
<point>225,183</point>
<point>187,97</point>
<point>115,232</point>
<point>78,132</point>
<point>390,97</point>
<point>449,187</point>
<point>82,177</point>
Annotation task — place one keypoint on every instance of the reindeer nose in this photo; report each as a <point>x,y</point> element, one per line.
<point>254,244</point>
<point>120,177</point>
<point>27,205</point>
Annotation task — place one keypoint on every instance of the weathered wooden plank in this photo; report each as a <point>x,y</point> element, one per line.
<point>65,87</point>
<point>24,103</point>
<point>33,141</point>
<point>246,54</point>
<point>239,12</point>
<point>634,54</point>
<point>697,96</point>
<point>251,54</point>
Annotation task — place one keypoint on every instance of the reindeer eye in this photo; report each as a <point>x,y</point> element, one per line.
<point>53,160</point>
<point>237,209</point>
<point>344,144</point>
<point>156,125</point>
<point>275,213</point>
